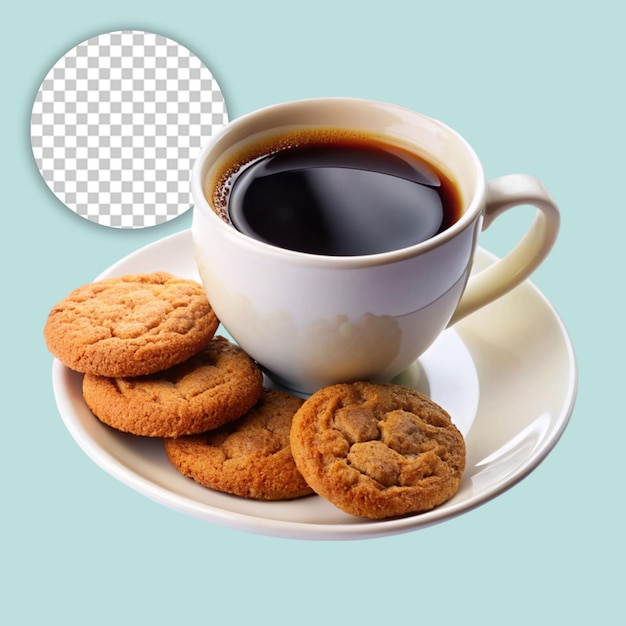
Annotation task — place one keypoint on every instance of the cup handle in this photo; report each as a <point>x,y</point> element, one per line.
<point>503,194</point>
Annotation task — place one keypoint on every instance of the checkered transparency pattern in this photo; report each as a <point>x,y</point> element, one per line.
<point>117,123</point>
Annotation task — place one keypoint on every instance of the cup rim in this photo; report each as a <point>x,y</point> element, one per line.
<point>201,204</point>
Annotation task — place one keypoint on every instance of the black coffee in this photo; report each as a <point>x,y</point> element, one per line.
<point>346,198</point>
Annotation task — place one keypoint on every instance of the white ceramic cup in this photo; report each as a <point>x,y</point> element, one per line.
<point>314,320</point>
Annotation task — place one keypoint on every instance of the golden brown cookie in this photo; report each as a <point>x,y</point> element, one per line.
<point>130,326</point>
<point>211,388</point>
<point>377,451</point>
<point>250,457</point>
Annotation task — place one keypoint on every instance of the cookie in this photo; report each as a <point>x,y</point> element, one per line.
<point>250,457</point>
<point>377,451</point>
<point>209,389</point>
<point>130,326</point>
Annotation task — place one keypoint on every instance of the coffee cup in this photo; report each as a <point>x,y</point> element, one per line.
<point>313,318</point>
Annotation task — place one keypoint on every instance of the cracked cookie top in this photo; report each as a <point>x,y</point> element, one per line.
<point>211,388</point>
<point>250,457</point>
<point>130,326</point>
<point>377,451</point>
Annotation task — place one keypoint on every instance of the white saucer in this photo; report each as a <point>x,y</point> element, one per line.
<point>507,375</point>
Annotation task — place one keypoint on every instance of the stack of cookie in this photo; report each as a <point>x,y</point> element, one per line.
<point>154,367</point>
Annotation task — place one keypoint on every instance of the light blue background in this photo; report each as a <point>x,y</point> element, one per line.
<point>537,87</point>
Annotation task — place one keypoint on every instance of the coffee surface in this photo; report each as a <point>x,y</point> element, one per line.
<point>346,198</point>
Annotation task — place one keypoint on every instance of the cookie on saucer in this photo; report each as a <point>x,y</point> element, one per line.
<point>130,326</point>
<point>211,388</point>
<point>377,451</point>
<point>250,457</point>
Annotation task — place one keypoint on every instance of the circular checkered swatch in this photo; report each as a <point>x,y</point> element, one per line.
<point>117,124</point>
